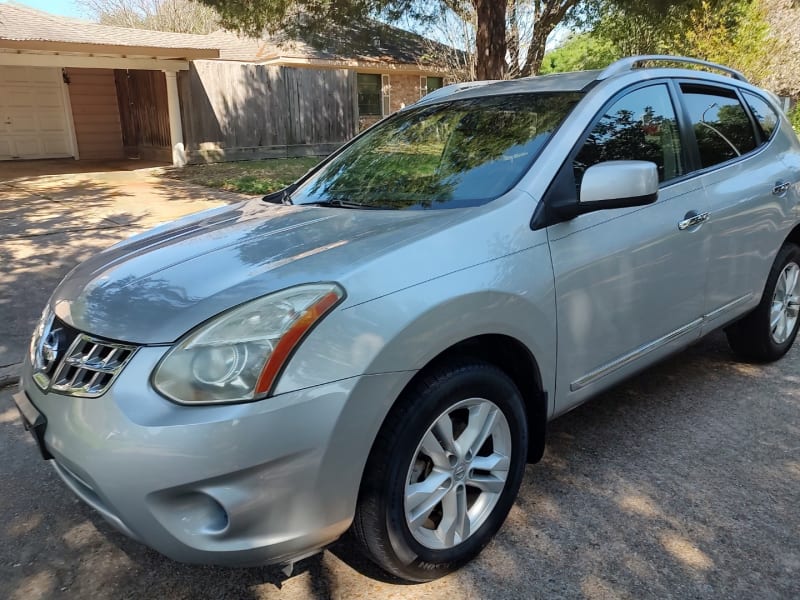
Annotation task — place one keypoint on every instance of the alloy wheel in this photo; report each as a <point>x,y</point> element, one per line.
<point>458,473</point>
<point>785,304</point>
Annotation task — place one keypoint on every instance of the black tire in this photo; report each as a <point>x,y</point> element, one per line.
<point>380,523</point>
<point>751,338</point>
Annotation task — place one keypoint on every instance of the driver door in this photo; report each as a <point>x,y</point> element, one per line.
<point>629,282</point>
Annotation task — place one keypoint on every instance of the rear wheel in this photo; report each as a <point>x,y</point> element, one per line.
<point>444,471</point>
<point>767,333</point>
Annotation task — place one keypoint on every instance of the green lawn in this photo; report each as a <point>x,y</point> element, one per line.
<point>249,177</point>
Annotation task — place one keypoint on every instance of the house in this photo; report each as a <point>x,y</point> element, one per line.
<point>393,67</point>
<point>60,96</point>
<point>71,88</point>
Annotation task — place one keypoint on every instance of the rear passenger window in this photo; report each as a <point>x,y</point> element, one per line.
<point>765,115</point>
<point>639,126</point>
<point>721,124</point>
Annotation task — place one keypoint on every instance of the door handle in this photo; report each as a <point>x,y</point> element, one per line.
<point>693,219</point>
<point>781,188</point>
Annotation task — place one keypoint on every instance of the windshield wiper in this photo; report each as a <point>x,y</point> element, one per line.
<point>336,203</point>
<point>283,196</point>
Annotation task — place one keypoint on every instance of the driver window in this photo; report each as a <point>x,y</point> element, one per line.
<point>639,126</point>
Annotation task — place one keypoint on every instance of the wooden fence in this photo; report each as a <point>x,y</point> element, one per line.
<point>235,111</point>
<point>144,116</point>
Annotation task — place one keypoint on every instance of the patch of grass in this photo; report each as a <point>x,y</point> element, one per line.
<point>248,177</point>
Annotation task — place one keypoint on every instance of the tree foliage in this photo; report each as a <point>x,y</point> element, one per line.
<point>254,17</point>
<point>731,32</point>
<point>794,117</point>
<point>180,16</point>
<point>500,28</point>
<point>580,52</point>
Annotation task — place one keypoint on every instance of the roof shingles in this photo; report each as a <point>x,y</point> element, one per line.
<point>20,23</point>
<point>366,41</point>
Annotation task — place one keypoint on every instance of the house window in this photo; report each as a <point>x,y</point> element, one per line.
<point>434,83</point>
<point>429,84</point>
<point>370,101</point>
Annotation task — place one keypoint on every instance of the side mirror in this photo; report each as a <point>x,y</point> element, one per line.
<point>618,184</point>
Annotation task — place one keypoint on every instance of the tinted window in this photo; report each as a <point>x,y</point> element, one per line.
<point>450,155</point>
<point>640,126</point>
<point>721,125</point>
<point>765,115</point>
<point>369,94</point>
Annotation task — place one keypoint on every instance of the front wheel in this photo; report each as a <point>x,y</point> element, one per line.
<point>767,333</point>
<point>444,471</point>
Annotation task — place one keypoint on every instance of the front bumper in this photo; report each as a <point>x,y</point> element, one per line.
<point>246,484</point>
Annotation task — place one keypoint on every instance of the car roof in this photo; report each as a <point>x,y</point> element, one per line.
<point>580,81</point>
<point>575,81</point>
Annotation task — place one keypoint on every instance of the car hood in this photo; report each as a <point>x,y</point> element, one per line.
<point>154,287</point>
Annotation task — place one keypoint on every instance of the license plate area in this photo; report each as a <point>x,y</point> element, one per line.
<point>33,421</point>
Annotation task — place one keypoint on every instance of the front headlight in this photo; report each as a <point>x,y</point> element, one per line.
<point>238,355</point>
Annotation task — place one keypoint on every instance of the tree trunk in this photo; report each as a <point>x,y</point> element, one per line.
<point>513,41</point>
<point>535,56</point>
<point>547,14</point>
<point>491,39</point>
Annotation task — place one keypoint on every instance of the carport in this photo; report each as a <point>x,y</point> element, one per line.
<point>89,91</point>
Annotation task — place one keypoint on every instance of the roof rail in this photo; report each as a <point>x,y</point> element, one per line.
<point>631,62</point>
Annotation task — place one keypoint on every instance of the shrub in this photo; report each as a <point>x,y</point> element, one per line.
<point>794,117</point>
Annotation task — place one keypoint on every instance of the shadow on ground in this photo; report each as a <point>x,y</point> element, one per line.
<point>43,234</point>
<point>681,483</point>
<point>54,214</point>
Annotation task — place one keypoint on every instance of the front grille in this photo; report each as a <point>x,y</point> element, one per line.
<point>87,368</point>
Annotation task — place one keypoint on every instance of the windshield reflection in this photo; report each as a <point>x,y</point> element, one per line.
<point>457,154</point>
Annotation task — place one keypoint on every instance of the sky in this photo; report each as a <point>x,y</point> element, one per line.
<point>67,8</point>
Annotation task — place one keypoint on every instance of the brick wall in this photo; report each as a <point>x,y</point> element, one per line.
<point>368,121</point>
<point>404,90</point>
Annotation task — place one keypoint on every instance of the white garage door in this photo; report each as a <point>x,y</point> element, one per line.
<point>33,121</point>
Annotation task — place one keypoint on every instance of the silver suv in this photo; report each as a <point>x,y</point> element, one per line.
<point>382,344</point>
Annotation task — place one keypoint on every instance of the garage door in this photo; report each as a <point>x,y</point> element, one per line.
<point>33,120</point>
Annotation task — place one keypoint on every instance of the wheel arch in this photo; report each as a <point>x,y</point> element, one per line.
<point>794,236</point>
<point>517,361</point>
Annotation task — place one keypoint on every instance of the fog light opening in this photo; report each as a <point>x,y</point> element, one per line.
<point>216,516</point>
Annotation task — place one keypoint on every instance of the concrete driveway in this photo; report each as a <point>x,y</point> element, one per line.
<point>682,483</point>
<point>53,214</point>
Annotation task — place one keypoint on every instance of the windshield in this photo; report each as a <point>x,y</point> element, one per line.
<point>451,155</point>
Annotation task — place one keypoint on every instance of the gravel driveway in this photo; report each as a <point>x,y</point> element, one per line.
<point>682,483</point>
